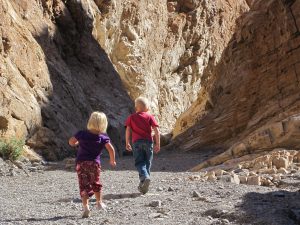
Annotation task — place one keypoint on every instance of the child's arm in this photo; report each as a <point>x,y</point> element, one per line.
<point>73,142</point>
<point>112,154</point>
<point>128,146</point>
<point>157,139</point>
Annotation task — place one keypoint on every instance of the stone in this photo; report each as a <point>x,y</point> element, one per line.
<point>283,171</point>
<point>155,215</point>
<point>280,162</point>
<point>32,169</point>
<point>196,194</point>
<point>252,173</point>
<point>268,171</point>
<point>35,164</point>
<point>230,178</point>
<point>194,177</point>
<point>243,179</point>
<point>159,189</point>
<point>19,164</point>
<point>276,177</point>
<point>155,203</point>
<point>219,172</point>
<point>171,189</point>
<point>211,177</point>
<point>254,180</point>
<point>12,173</point>
<point>225,221</point>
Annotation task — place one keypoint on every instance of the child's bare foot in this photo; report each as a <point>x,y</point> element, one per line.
<point>101,206</point>
<point>86,213</point>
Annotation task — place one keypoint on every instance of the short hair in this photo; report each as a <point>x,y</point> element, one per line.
<point>142,101</point>
<point>97,122</point>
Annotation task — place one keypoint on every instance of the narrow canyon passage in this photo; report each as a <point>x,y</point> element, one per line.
<point>175,197</point>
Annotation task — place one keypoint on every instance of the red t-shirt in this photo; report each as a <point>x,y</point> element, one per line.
<point>141,124</point>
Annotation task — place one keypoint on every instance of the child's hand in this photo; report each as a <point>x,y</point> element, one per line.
<point>128,147</point>
<point>156,148</point>
<point>113,163</point>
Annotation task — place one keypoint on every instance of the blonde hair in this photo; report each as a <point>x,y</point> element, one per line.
<point>97,122</point>
<point>143,102</point>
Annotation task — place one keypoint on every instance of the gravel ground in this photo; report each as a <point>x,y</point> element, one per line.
<point>51,197</point>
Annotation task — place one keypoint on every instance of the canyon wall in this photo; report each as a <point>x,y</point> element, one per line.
<point>163,49</point>
<point>60,60</point>
<point>218,75</point>
<point>53,74</point>
<point>252,101</point>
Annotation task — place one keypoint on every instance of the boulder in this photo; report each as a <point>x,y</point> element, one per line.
<point>254,180</point>
<point>243,179</point>
<point>280,162</point>
<point>230,178</point>
<point>283,171</point>
<point>219,172</point>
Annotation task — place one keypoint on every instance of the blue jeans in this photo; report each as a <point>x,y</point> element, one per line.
<point>143,155</point>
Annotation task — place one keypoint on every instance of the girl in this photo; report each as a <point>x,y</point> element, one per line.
<point>91,143</point>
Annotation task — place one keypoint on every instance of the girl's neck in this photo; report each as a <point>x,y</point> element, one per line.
<point>94,132</point>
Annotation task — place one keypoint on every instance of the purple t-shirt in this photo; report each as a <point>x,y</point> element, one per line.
<point>90,145</point>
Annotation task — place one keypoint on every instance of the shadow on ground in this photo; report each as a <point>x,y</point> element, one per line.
<point>52,219</point>
<point>165,161</point>
<point>272,208</point>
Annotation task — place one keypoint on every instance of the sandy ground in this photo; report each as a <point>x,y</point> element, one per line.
<point>51,197</point>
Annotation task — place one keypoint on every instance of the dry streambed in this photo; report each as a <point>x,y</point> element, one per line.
<point>176,197</point>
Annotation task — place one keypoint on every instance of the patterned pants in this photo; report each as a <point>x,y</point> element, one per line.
<point>89,178</point>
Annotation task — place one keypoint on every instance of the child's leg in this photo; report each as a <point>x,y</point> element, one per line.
<point>85,202</point>
<point>98,196</point>
<point>149,157</point>
<point>97,186</point>
<point>84,179</point>
<point>140,160</point>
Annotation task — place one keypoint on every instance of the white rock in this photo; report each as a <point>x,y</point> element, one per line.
<point>155,203</point>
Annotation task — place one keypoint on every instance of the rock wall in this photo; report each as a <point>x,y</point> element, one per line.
<point>252,101</point>
<point>60,60</point>
<point>163,49</point>
<point>53,74</point>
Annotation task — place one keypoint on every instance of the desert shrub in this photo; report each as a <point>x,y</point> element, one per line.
<point>11,148</point>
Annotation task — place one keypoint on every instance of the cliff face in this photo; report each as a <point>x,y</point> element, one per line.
<point>53,74</point>
<point>60,60</point>
<point>252,101</point>
<point>163,49</point>
<point>218,76</point>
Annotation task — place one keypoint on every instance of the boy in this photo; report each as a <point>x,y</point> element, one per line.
<point>140,125</point>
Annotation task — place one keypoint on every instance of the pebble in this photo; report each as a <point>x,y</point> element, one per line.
<point>19,164</point>
<point>155,215</point>
<point>12,173</point>
<point>155,203</point>
<point>170,189</point>
<point>196,194</point>
<point>225,221</point>
<point>32,169</point>
<point>35,164</point>
<point>159,189</point>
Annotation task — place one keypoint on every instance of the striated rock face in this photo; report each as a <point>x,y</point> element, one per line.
<point>60,60</point>
<point>252,100</point>
<point>214,82</point>
<point>164,49</point>
<point>53,73</point>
